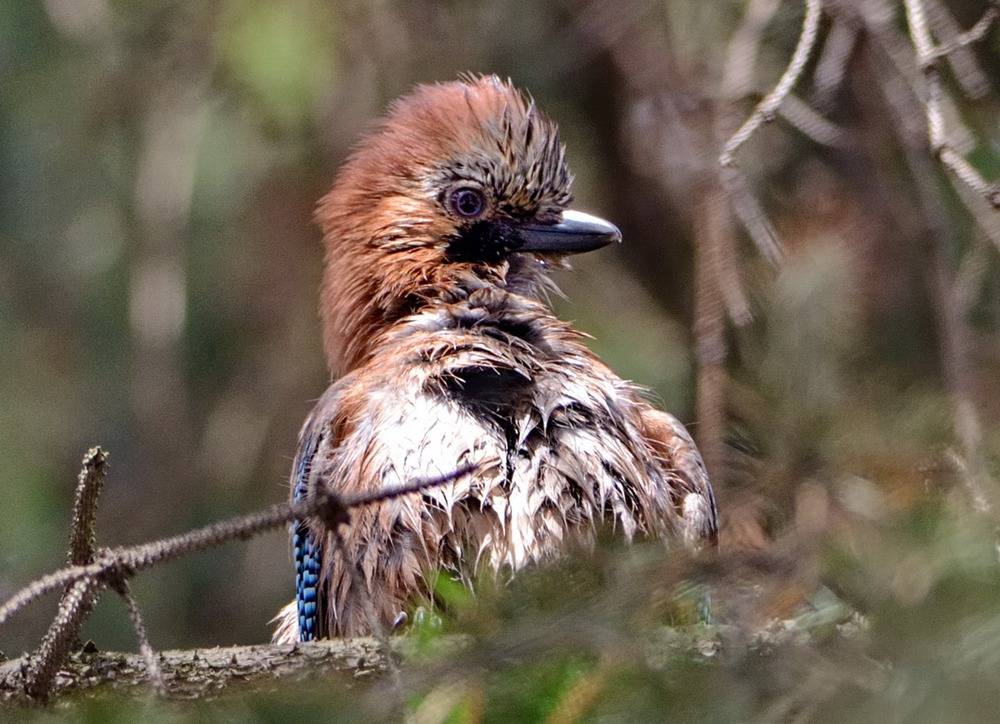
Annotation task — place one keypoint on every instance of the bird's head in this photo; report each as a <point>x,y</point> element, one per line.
<point>461,183</point>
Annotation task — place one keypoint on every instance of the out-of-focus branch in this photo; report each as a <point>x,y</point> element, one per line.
<point>971,273</point>
<point>903,95</point>
<point>928,56</point>
<point>831,67</point>
<point>737,81</point>
<point>954,46</point>
<point>811,124</point>
<point>745,204</point>
<point>712,225</point>
<point>744,47</point>
<point>768,107</point>
<point>951,293</point>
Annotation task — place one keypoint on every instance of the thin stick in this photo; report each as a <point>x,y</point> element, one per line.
<point>117,563</point>
<point>79,598</point>
<point>751,215</point>
<point>949,316</point>
<point>75,606</point>
<point>954,46</point>
<point>747,207</point>
<point>831,67</point>
<point>811,124</point>
<point>153,669</point>
<point>737,81</point>
<point>46,584</point>
<point>83,539</point>
<point>927,58</point>
<point>907,99</point>
<point>743,48</point>
<point>768,107</point>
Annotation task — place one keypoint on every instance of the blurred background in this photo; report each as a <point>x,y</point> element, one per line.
<point>159,266</point>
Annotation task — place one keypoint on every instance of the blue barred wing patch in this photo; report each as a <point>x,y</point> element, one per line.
<point>307,552</point>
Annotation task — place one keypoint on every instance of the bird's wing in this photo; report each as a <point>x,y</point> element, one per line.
<point>306,547</point>
<point>695,498</point>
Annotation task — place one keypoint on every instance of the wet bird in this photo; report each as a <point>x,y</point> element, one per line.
<point>440,233</point>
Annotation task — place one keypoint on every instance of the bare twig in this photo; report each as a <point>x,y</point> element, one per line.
<point>83,539</point>
<point>768,107</point>
<point>927,57</point>
<point>913,105</point>
<point>811,124</point>
<point>950,296</point>
<point>733,180</point>
<point>831,67</point>
<point>46,584</point>
<point>74,607</point>
<point>743,48</point>
<point>879,18</point>
<point>983,212</point>
<point>117,563</point>
<point>737,82</point>
<point>954,46</point>
<point>971,273</point>
<point>751,214</point>
<point>95,570</point>
<point>153,669</point>
<point>78,600</point>
<point>967,173</point>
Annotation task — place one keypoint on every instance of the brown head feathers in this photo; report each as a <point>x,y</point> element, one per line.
<point>393,234</point>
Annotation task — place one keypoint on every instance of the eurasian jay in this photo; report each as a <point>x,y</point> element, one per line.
<point>440,233</point>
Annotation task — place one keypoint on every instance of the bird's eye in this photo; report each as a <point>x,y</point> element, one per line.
<point>467,202</point>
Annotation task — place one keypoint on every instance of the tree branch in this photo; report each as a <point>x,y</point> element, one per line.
<point>96,570</point>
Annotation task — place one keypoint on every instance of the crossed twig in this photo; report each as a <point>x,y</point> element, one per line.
<point>925,18</point>
<point>929,56</point>
<point>910,75</point>
<point>745,205</point>
<point>92,570</point>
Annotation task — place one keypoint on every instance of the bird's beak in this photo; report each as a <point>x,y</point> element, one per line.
<point>577,232</point>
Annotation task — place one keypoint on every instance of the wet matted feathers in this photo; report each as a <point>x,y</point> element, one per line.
<point>440,232</point>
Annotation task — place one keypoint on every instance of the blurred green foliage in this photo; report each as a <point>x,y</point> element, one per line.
<point>158,275</point>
